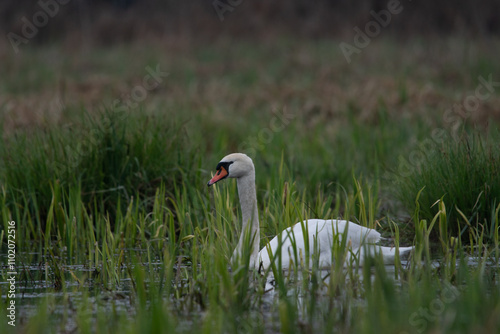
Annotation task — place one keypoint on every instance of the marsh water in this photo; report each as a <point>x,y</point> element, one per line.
<point>35,283</point>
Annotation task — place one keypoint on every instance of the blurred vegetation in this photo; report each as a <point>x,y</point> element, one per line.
<point>105,22</point>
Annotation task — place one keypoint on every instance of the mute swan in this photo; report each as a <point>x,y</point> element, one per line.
<point>320,233</point>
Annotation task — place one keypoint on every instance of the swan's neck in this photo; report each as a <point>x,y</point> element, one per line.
<point>250,232</point>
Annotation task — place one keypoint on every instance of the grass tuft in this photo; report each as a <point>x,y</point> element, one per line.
<point>106,162</point>
<point>465,175</point>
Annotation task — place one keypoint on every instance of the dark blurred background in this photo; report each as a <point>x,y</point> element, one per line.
<point>115,21</point>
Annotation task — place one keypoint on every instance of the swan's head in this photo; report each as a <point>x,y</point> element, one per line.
<point>233,165</point>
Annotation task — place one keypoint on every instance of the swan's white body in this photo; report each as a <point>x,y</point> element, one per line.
<point>322,236</point>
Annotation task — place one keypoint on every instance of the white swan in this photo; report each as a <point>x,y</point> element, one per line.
<point>321,234</point>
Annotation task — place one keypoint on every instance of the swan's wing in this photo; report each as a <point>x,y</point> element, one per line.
<point>327,232</point>
<point>321,235</point>
<point>357,234</point>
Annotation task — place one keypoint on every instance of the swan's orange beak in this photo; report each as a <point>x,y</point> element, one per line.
<point>221,173</point>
